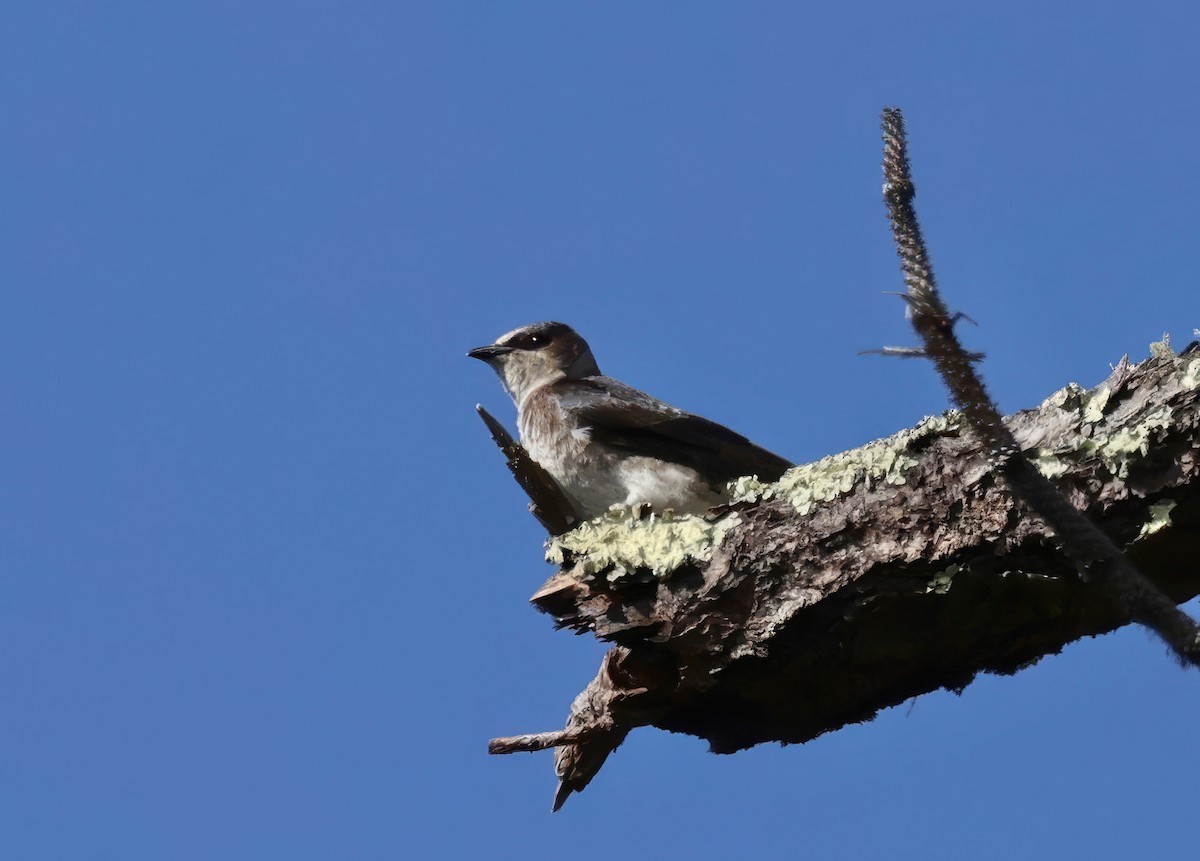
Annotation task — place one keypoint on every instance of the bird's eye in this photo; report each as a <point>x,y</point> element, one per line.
<point>537,340</point>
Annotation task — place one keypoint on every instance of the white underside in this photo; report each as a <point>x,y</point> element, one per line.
<point>598,478</point>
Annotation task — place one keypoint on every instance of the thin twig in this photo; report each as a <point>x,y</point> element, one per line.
<point>548,503</point>
<point>1099,559</point>
<point>545,740</point>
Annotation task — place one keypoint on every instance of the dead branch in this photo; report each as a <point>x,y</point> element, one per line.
<point>879,574</point>
<point>871,577</point>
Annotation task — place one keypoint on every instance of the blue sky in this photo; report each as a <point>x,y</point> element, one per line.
<point>263,577</point>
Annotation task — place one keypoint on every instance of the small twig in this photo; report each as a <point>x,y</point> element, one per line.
<point>545,740</point>
<point>620,698</point>
<point>897,352</point>
<point>548,503</point>
<point>1098,557</point>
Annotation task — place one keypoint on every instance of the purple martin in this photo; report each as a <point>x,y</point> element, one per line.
<point>607,443</point>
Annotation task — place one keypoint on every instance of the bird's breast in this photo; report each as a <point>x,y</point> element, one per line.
<point>547,432</point>
<point>597,477</point>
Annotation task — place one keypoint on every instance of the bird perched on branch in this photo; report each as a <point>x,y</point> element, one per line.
<point>606,443</point>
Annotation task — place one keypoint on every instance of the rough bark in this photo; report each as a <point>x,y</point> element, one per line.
<point>874,576</point>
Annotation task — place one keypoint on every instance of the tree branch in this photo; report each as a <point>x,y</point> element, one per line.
<point>1099,559</point>
<point>873,576</point>
<point>879,574</point>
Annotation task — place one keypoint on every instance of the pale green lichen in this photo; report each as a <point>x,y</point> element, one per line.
<point>883,461</point>
<point>1068,397</point>
<point>1094,404</point>
<point>1049,464</point>
<point>1189,373</point>
<point>1072,397</point>
<point>1158,519</point>
<point>1162,349</point>
<point>1115,450</point>
<point>1118,449</point>
<point>939,583</point>
<point>620,542</point>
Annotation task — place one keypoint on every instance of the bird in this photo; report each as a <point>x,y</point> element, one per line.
<point>608,444</point>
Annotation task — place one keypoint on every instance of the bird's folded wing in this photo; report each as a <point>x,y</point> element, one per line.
<point>629,420</point>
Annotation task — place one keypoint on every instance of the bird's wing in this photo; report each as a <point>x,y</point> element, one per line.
<point>629,420</point>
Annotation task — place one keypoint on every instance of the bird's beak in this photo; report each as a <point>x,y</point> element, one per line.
<point>490,354</point>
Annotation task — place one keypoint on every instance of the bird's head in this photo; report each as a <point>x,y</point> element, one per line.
<point>537,355</point>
